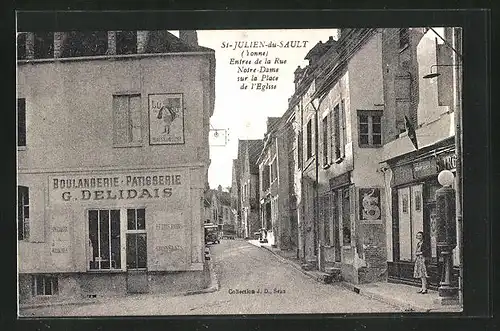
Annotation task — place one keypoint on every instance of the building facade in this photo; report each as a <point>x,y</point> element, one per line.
<point>432,105</point>
<point>125,120</point>
<point>248,152</point>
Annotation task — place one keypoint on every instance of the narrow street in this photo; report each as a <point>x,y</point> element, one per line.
<point>242,269</point>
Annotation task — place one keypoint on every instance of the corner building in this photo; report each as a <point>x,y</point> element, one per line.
<point>113,157</point>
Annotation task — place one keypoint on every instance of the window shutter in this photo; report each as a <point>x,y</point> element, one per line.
<point>135,119</point>
<point>120,115</point>
<point>21,122</point>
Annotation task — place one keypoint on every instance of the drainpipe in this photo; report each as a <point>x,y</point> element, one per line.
<point>316,187</point>
<point>302,182</point>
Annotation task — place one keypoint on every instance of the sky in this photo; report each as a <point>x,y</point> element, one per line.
<point>243,113</point>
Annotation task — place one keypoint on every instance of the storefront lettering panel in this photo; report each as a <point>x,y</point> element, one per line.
<point>119,188</point>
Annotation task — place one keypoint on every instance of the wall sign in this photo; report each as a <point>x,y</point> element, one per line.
<point>166,119</point>
<point>369,204</point>
<point>446,162</point>
<point>131,187</point>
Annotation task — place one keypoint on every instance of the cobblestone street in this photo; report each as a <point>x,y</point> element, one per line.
<point>252,281</point>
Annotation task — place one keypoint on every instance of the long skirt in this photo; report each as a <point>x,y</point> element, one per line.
<point>420,271</point>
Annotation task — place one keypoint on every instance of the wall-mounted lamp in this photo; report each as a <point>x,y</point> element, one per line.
<point>435,74</point>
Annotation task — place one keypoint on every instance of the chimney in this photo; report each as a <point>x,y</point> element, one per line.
<point>58,43</point>
<point>189,37</point>
<point>111,43</point>
<point>297,74</point>
<point>30,45</point>
<point>142,41</point>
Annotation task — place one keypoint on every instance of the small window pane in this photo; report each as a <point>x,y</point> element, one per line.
<point>142,253</point>
<point>131,225</point>
<point>363,119</point>
<point>363,139</point>
<point>131,251</point>
<point>39,285</point>
<point>48,286</point>
<point>141,219</point>
<point>55,285</point>
<point>376,119</point>
<point>377,139</point>
<point>376,128</point>
<point>363,128</point>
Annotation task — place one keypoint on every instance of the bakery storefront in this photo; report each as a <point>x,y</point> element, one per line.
<point>413,185</point>
<point>112,233</point>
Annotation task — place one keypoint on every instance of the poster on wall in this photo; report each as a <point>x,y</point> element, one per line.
<point>166,119</point>
<point>369,204</point>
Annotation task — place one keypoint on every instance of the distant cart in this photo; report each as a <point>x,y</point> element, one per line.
<point>212,234</point>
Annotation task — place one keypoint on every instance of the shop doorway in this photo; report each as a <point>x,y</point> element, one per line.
<point>136,250</point>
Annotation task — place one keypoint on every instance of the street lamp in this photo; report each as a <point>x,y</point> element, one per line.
<point>446,234</point>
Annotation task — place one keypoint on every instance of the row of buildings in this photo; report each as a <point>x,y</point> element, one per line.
<point>113,157</point>
<point>348,175</point>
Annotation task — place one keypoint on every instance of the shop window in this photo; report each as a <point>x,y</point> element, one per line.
<point>23,213</point>
<point>126,42</point>
<point>44,285</point>
<point>21,46</point>
<point>127,120</point>
<point>21,122</point>
<point>404,37</point>
<point>136,239</point>
<point>309,140</point>
<point>44,45</point>
<point>346,218</point>
<point>370,128</point>
<point>104,239</point>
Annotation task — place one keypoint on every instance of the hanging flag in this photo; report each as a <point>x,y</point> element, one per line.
<point>411,132</point>
<point>218,137</point>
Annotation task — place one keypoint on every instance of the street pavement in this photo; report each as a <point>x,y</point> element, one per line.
<point>252,281</point>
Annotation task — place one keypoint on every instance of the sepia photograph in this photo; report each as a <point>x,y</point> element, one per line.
<point>239,171</point>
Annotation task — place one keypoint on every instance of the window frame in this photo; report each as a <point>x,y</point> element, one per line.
<point>309,140</point>
<point>136,232</point>
<point>91,253</point>
<point>370,114</point>
<point>21,101</point>
<point>404,38</point>
<point>23,223</point>
<point>54,290</point>
<point>325,127</point>
<point>140,142</point>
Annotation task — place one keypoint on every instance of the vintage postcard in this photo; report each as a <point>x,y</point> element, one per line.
<point>221,172</point>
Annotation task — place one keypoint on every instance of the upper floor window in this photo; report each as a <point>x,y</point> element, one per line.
<point>265,177</point>
<point>126,42</point>
<point>370,128</point>
<point>274,170</point>
<point>309,140</point>
<point>23,213</point>
<point>127,120</point>
<point>326,140</point>
<point>339,134</point>
<point>300,148</point>
<point>404,37</point>
<point>21,122</point>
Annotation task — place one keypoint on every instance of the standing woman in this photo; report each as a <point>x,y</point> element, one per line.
<point>420,271</point>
